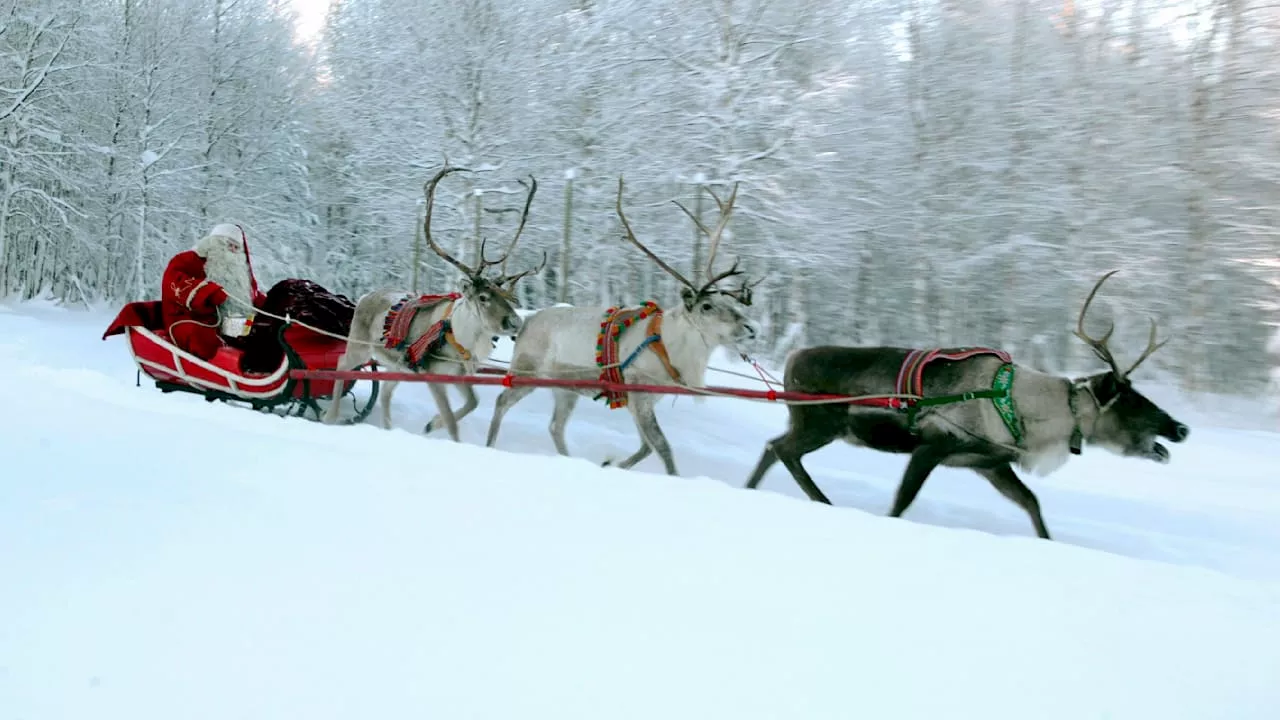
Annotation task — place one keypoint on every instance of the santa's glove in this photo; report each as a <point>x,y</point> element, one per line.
<point>216,296</point>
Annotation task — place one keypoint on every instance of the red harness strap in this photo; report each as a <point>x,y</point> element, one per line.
<point>615,321</point>
<point>396,328</point>
<point>911,375</point>
<point>659,349</point>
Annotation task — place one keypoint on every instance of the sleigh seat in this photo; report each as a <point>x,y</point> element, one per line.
<point>146,315</point>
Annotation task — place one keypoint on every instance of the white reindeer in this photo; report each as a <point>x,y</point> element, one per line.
<point>561,342</point>
<point>451,336</point>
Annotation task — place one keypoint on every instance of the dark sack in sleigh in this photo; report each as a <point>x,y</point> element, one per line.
<point>300,300</point>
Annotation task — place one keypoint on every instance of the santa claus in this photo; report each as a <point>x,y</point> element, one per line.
<point>204,291</point>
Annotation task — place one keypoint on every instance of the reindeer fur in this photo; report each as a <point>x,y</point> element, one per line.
<point>560,342</point>
<point>1104,409</point>
<point>485,309</point>
<point>477,316</point>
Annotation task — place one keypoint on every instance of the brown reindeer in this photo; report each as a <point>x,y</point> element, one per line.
<point>1035,421</point>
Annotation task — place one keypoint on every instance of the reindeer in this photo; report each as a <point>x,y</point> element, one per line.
<point>449,334</point>
<point>562,342</point>
<point>1035,423</point>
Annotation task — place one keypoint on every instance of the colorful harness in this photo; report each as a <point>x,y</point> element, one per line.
<point>395,329</point>
<point>615,321</point>
<point>911,382</point>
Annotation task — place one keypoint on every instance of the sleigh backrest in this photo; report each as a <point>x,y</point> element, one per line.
<point>144,313</point>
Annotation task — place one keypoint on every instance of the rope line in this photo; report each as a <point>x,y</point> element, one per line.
<point>588,372</point>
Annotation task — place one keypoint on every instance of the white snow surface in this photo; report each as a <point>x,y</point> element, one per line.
<point>163,557</point>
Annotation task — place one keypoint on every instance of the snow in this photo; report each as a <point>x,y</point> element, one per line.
<point>163,557</point>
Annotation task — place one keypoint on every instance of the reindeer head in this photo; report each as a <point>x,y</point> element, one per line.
<point>1127,422</point>
<point>716,312</point>
<point>493,298</point>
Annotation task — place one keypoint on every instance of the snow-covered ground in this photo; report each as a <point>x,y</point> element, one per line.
<point>162,557</point>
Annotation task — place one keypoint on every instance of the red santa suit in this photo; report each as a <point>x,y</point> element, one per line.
<point>197,282</point>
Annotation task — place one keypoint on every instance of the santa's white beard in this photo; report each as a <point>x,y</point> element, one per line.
<point>230,269</point>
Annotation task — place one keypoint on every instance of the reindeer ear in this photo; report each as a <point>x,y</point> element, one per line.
<point>689,296</point>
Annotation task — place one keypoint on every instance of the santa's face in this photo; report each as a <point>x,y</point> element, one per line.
<point>225,264</point>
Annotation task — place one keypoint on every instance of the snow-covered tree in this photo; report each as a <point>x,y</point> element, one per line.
<point>911,173</point>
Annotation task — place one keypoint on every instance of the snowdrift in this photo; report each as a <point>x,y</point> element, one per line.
<point>164,558</point>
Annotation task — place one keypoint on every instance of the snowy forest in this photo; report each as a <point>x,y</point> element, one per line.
<point>911,172</point>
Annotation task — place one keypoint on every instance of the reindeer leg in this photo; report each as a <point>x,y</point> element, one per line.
<point>388,389</point>
<point>506,399</point>
<point>1006,481</point>
<point>636,457</point>
<point>350,360</point>
<point>642,409</point>
<point>922,462</point>
<point>767,460</point>
<point>566,401</point>
<point>439,392</point>
<point>789,448</point>
<point>470,403</point>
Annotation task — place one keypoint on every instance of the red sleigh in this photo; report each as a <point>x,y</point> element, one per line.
<point>223,377</point>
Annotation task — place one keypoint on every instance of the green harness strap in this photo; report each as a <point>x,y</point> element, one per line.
<point>1004,402</point>
<point>1000,394</point>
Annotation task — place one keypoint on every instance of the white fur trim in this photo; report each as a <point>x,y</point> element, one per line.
<point>191,295</point>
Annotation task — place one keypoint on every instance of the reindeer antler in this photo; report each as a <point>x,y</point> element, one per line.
<point>713,237</point>
<point>1152,346</point>
<point>485,262</point>
<point>510,280</point>
<point>1098,345</point>
<point>743,293</point>
<point>726,211</point>
<point>717,278</point>
<point>632,237</point>
<point>430,189</point>
<point>524,215</point>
